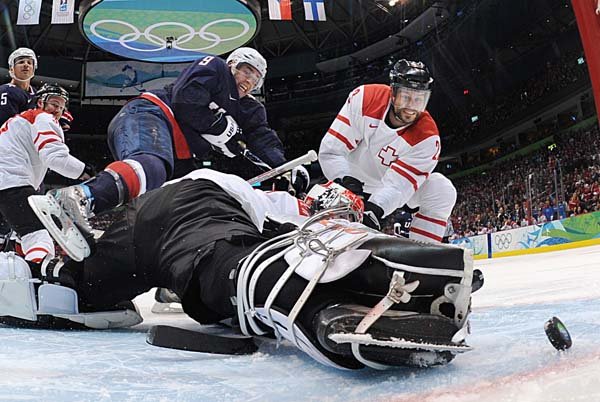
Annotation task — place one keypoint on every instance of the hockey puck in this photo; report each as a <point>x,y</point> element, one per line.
<point>557,334</point>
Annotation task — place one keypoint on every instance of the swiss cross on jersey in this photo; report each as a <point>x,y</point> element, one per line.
<point>387,155</point>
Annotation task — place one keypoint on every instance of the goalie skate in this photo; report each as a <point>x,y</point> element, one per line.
<point>62,228</point>
<point>396,338</point>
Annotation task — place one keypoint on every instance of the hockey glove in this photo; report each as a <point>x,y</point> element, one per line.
<point>65,120</point>
<point>372,216</point>
<point>295,182</point>
<point>224,140</point>
<point>88,172</point>
<point>353,184</point>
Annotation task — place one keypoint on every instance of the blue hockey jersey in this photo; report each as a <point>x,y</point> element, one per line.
<point>209,81</point>
<point>14,100</point>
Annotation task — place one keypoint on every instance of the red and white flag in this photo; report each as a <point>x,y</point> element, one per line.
<point>62,11</point>
<point>29,12</point>
<point>280,10</point>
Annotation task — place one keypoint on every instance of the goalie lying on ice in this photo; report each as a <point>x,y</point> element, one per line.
<point>345,294</point>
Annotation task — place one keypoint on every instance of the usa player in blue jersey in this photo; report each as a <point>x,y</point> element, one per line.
<point>209,106</point>
<point>16,96</point>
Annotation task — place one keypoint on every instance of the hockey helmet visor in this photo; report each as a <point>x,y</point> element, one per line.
<point>414,99</point>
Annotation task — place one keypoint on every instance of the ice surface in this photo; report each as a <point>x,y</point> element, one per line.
<point>512,359</point>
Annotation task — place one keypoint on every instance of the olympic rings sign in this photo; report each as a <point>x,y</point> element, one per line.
<point>169,31</point>
<point>28,10</point>
<point>175,43</point>
<point>502,241</point>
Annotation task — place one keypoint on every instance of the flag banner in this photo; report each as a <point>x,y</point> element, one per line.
<point>280,10</point>
<point>588,23</point>
<point>314,10</point>
<point>29,12</point>
<point>62,11</point>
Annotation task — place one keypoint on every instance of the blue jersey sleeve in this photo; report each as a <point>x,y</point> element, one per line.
<point>261,139</point>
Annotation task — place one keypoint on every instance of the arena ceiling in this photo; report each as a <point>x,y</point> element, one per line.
<point>350,24</point>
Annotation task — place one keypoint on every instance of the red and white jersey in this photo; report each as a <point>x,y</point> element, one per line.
<point>392,162</point>
<point>31,143</point>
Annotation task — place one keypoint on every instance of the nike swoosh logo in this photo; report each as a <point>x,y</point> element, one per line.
<point>231,98</point>
<point>373,126</point>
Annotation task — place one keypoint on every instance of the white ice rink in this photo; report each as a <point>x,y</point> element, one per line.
<point>512,361</point>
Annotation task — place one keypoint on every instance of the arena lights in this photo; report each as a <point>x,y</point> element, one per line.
<point>392,3</point>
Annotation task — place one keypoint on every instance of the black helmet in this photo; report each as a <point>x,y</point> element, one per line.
<point>48,90</point>
<point>410,74</point>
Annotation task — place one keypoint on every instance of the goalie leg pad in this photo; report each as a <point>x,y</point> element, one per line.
<point>17,293</point>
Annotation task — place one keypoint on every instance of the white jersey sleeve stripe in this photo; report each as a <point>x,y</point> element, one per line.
<point>48,141</point>
<point>406,175</point>
<point>432,220</point>
<point>51,133</point>
<point>340,137</point>
<point>344,119</point>
<point>423,235</point>
<point>410,168</point>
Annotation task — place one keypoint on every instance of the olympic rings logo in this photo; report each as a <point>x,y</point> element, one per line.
<point>28,9</point>
<point>503,240</point>
<point>170,42</point>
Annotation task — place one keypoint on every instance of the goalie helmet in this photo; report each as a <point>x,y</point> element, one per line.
<point>333,195</point>
<point>252,57</point>
<point>21,53</point>
<point>48,90</point>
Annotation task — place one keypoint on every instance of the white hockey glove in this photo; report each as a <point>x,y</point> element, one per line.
<point>224,140</point>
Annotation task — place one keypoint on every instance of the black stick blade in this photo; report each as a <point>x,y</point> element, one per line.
<point>166,336</point>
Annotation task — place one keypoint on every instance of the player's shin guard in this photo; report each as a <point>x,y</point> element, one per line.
<point>417,318</point>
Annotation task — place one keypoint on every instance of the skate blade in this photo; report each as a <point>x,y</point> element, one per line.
<point>68,237</point>
<point>368,340</point>
<point>167,308</point>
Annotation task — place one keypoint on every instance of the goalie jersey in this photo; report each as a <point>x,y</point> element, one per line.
<point>391,162</point>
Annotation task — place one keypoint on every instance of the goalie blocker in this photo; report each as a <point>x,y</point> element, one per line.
<point>346,295</point>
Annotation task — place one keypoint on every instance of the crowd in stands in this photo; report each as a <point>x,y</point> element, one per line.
<point>554,76</point>
<point>563,179</point>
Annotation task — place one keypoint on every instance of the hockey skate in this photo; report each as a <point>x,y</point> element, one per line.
<point>397,338</point>
<point>167,302</point>
<point>76,204</point>
<point>60,225</point>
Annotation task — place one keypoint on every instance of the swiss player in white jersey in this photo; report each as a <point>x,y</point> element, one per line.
<point>385,145</point>
<point>33,142</point>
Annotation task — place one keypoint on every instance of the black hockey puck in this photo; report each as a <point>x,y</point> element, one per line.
<point>557,334</point>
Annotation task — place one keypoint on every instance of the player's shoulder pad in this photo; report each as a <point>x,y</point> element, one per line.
<point>376,99</point>
<point>422,129</point>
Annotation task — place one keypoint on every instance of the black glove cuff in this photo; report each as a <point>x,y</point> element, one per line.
<point>353,184</point>
<point>376,209</point>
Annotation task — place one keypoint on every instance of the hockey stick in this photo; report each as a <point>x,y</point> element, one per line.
<point>310,156</point>
<point>166,336</point>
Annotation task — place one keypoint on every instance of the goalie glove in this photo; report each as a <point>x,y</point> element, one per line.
<point>224,141</point>
<point>372,216</point>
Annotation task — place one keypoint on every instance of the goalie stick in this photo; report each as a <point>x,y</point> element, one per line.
<point>166,336</point>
